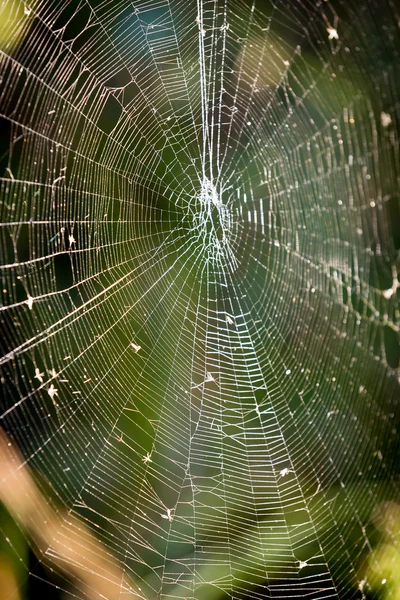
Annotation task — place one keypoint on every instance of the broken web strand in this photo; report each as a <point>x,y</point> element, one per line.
<point>213,254</point>
<point>261,495</point>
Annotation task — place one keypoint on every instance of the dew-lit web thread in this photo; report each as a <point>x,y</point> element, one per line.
<point>223,337</point>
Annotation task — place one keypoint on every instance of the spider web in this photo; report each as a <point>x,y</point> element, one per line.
<point>199,287</point>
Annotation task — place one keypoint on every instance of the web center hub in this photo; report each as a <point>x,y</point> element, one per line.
<point>212,220</point>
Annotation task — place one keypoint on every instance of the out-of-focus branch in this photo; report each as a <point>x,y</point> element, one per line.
<point>8,581</point>
<point>62,538</point>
